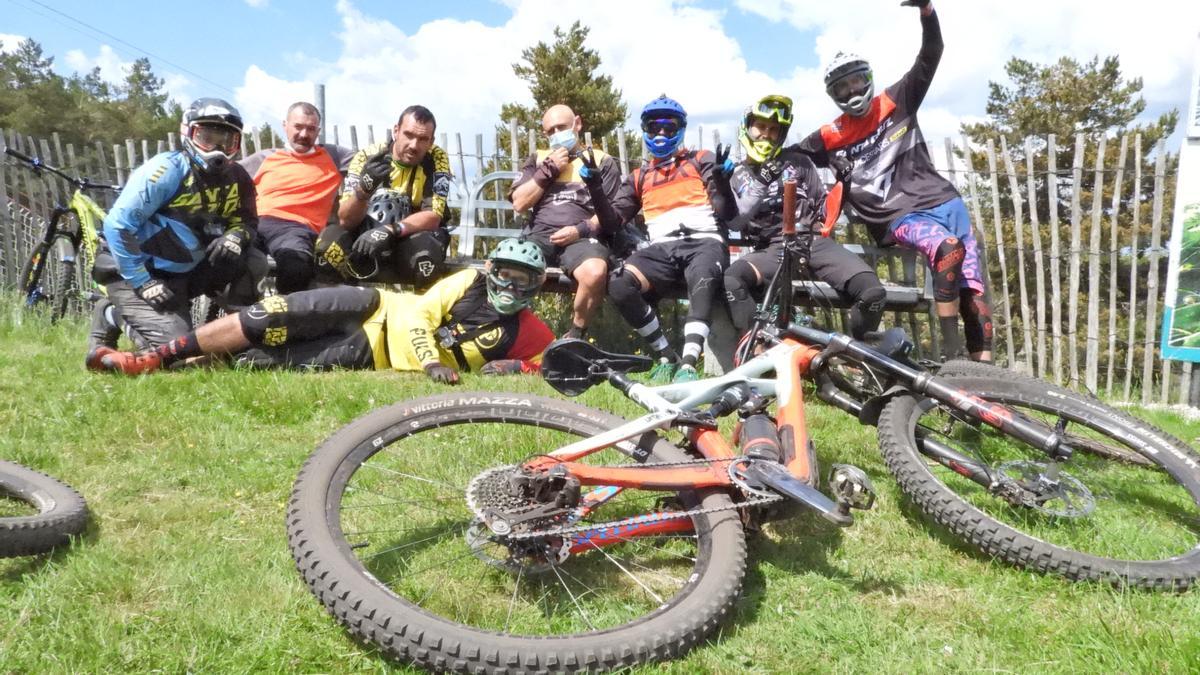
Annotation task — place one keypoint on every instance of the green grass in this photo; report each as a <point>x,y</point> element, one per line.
<point>185,566</point>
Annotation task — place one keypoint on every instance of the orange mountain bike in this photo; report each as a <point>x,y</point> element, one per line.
<point>488,532</point>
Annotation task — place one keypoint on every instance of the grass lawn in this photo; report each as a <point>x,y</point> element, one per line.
<point>185,566</point>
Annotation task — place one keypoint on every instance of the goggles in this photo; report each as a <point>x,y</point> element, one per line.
<point>216,137</point>
<point>854,84</point>
<point>773,110</point>
<point>667,126</point>
<point>519,279</point>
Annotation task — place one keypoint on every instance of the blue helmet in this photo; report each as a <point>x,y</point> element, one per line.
<point>661,140</point>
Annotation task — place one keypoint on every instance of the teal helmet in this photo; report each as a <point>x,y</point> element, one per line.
<point>516,270</point>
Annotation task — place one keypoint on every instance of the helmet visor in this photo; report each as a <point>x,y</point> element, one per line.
<point>854,84</point>
<point>210,137</point>
<point>666,126</point>
<point>522,281</point>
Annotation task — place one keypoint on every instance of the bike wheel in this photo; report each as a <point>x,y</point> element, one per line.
<point>37,512</point>
<point>1098,519</point>
<point>380,528</point>
<point>49,279</point>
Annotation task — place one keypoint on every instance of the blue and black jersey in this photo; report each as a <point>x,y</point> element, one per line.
<point>167,214</point>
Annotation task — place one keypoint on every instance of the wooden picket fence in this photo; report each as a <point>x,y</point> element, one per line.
<point>1034,336</point>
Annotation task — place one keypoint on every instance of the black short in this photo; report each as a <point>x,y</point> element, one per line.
<point>829,261</point>
<point>668,264</point>
<point>573,255</point>
<point>321,328</point>
<point>277,234</point>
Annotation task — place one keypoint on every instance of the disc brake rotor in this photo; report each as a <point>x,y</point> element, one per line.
<point>1063,497</point>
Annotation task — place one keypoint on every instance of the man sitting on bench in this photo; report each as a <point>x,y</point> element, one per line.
<point>469,321</point>
<point>563,221</point>
<point>758,186</point>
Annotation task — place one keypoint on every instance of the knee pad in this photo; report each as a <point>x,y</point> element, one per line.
<point>947,269</point>
<point>867,311</point>
<point>623,287</point>
<point>293,270</point>
<point>264,322</point>
<point>977,322</point>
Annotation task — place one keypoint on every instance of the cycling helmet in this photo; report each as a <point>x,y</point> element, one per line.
<point>663,124</point>
<point>774,107</point>
<point>211,132</point>
<point>850,83</point>
<point>388,207</point>
<point>516,270</point>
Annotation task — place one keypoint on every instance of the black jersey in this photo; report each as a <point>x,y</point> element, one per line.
<point>892,173</point>
<point>758,189</point>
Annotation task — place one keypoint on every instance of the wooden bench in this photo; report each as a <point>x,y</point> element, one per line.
<point>904,294</point>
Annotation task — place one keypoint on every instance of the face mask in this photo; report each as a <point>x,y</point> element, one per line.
<point>563,139</point>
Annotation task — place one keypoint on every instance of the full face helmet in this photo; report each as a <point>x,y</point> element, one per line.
<point>850,83</point>
<point>663,124</point>
<point>775,108</point>
<point>211,133</point>
<point>515,272</point>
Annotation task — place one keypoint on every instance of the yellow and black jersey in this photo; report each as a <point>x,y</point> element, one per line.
<point>427,184</point>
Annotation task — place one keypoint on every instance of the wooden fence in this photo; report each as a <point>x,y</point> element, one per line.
<point>1033,333</point>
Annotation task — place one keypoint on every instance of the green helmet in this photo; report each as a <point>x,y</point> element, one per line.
<point>515,274</point>
<point>773,107</point>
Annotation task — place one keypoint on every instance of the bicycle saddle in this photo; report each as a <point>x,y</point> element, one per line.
<point>572,366</point>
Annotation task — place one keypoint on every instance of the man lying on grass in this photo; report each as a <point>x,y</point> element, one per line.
<point>467,321</point>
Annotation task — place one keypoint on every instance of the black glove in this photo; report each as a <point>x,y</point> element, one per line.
<point>919,4</point>
<point>156,294</point>
<point>590,171</point>
<point>376,171</point>
<point>723,164</point>
<point>768,206</point>
<point>373,242</point>
<point>439,373</point>
<point>842,167</point>
<point>227,248</point>
<point>769,171</point>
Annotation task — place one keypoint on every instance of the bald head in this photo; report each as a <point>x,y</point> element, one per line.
<point>559,117</point>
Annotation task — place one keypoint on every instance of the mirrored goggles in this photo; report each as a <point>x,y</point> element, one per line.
<point>661,127</point>
<point>773,110</point>
<point>214,137</point>
<point>854,84</point>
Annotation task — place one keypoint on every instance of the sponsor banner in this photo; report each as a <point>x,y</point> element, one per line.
<point>1181,315</point>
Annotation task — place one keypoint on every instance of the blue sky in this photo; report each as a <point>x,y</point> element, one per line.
<point>375,57</point>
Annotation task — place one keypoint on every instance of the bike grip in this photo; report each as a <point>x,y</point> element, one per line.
<point>833,208</point>
<point>21,156</point>
<point>789,206</point>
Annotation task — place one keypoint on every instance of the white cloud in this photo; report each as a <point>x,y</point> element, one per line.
<point>9,42</point>
<point>1154,40</point>
<point>257,4</point>
<point>462,70</point>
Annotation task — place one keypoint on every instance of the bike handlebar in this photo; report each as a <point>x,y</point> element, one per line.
<point>38,165</point>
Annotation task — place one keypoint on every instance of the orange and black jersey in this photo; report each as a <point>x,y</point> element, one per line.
<point>892,174</point>
<point>680,197</point>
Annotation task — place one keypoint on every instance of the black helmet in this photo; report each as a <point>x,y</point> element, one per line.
<point>211,132</point>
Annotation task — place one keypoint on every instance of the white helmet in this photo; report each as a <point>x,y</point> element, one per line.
<point>211,132</point>
<point>850,83</point>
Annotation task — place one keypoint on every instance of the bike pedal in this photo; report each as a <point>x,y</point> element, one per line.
<point>779,479</point>
<point>851,487</point>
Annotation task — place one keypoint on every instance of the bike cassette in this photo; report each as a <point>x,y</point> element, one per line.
<point>511,499</point>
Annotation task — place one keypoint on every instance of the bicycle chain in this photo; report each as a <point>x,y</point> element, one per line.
<point>634,520</point>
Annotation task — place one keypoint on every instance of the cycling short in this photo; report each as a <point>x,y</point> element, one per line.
<point>926,230</point>
<point>573,255</point>
<point>828,261</point>
<point>318,329</point>
<point>669,266</point>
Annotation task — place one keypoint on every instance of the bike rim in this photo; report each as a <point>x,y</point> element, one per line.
<point>400,513</point>
<point>1099,505</point>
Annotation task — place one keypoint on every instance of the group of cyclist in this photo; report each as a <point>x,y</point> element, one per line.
<point>195,222</point>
